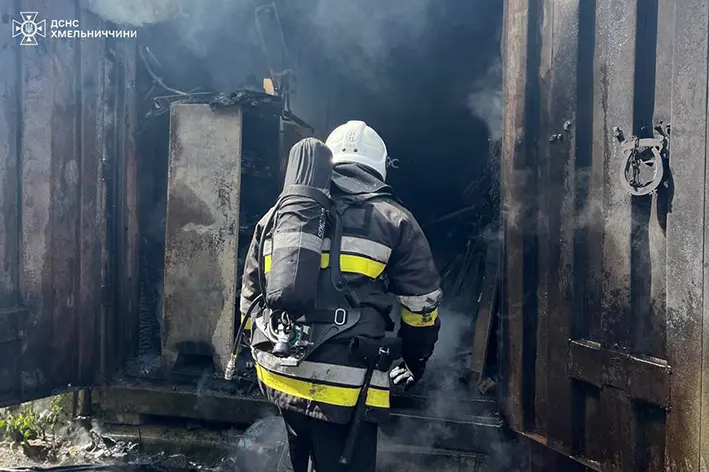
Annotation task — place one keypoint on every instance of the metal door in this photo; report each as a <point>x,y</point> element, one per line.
<point>605,291</point>
<point>62,143</point>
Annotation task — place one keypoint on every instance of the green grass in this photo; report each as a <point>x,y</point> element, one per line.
<point>29,421</point>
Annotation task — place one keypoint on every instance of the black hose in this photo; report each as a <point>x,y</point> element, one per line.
<point>236,348</point>
<point>240,331</point>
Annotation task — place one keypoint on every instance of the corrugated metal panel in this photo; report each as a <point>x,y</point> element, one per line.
<point>55,119</point>
<point>606,294</point>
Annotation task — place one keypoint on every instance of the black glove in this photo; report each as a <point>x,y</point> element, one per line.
<point>407,374</point>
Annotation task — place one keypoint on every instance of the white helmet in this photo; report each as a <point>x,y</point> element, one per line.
<point>357,143</point>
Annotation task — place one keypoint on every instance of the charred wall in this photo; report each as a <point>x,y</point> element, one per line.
<point>66,168</point>
<point>605,292</point>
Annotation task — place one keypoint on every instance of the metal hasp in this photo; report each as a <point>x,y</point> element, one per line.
<point>642,168</point>
<point>201,233</point>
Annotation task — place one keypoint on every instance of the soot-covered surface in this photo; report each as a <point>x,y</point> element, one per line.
<point>430,88</point>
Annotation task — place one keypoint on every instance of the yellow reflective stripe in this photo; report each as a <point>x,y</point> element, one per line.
<point>345,376</point>
<point>348,263</point>
<point>332,395</point>
<point>356,265</point>
<point>248,322</point>
<point>350,245</point>
<point>418,320</point>
<point>378,398</point>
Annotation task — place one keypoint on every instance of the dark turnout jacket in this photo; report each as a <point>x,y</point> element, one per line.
<point>383,252</point>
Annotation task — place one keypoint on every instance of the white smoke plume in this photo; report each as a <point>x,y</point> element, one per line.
<point>135,12</point>
<point>485,100</point>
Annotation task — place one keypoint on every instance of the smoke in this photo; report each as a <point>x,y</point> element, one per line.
<point>453,326</point>
<point>360,37</point>
<point>357,36</point>
<point>135,12</point>
<point>485,100</point>
<point>212,43</point>
<point>447,389</point>
<point>357,39</point>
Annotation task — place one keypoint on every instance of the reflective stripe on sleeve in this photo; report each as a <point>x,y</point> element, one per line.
<point>419,320</point>
<point>297,239</point>
<point>361,246</point>
<point>350,244</point>
<point>356,265</point>
<point>421,303</point>
<point>348,263</point>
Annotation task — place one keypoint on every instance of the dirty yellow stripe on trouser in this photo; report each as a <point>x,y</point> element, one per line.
<point>332,395</point>
<point>419,320</point>
<point>348,263</point>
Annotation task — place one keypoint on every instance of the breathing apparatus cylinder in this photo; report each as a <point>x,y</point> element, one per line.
<point>292,265</point>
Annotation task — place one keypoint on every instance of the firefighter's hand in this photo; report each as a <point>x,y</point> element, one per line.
<point>403,376</point>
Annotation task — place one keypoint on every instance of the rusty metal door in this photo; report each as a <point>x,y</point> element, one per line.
<point>63,112</point>
<point>606,291</point>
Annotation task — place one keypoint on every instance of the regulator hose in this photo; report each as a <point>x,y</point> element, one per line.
<point>236,349</point>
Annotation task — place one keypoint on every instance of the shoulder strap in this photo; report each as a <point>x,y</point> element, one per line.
<point>338,282</point>
<point>308,192</point>
<point>344,203</point>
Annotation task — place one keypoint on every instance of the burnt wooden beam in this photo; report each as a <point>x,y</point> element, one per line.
<point>35,277</point>
<point>559,138</point>
<point>656,43</point>
<point>547,261</point>
<point>614,74</point>
<point>64,179</point>
<point>640,379</point>
<point>92,239</point>
<point>486,310</point>
<point>515,182</point>
<point>686,228</point>
<point>9,164</point>
<point>587,218</point>
<point>127,238</point>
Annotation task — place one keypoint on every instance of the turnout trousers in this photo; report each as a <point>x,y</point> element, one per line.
<point>323,442</point>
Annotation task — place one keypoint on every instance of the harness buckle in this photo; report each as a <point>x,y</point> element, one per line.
<point>340,316</point>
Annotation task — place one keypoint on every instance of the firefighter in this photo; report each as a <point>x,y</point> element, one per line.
<point>382,252</point>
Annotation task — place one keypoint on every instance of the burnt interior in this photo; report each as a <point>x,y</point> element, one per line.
<point>447,160</point>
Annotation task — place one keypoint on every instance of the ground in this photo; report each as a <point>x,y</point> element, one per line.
<point>42,433</point>
<point>183,447</point>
